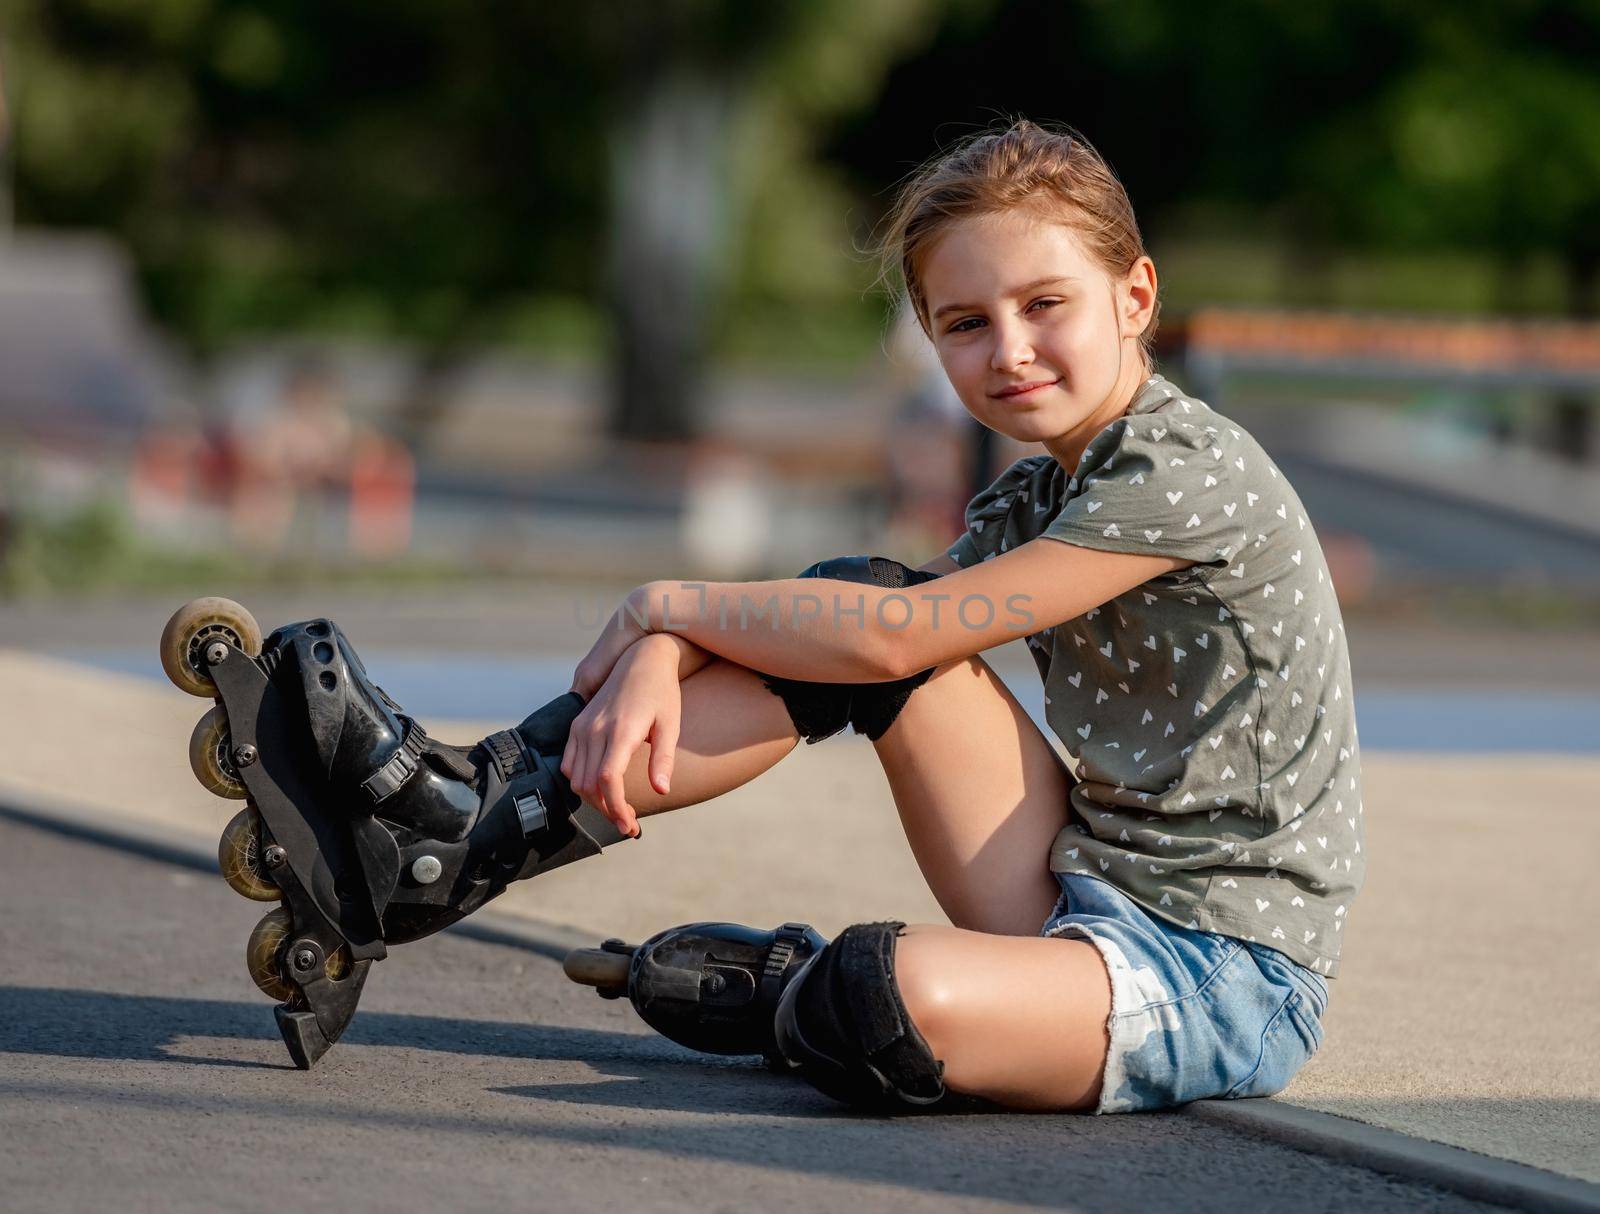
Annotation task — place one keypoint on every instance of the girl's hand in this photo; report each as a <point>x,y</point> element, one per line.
<point>639,701</point>
<point>621,632</point>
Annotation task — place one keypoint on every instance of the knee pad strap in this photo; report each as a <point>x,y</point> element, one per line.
<point>843,1026</point>
<point>820,710</point>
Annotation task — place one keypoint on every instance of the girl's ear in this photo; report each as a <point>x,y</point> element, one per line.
<point>1139,293</point>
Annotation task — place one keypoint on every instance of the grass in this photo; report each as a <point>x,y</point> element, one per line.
<point>95,550</point>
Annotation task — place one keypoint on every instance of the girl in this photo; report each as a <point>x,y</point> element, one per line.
<point>1158,925</point>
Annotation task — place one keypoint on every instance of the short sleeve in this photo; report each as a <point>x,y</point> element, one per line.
<point>987,513</point>
<point>1154,485</point>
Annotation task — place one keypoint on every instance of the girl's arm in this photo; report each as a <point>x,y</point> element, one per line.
<point>690,656</point>
<point>624,632</point>
<point>830,631</point>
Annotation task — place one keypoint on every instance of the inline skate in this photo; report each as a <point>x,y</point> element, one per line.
<point>713,987</point>
<point>364,830</point>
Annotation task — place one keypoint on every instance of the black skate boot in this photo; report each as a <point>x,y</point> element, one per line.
<point>713,987</point>
<point>367,831</point>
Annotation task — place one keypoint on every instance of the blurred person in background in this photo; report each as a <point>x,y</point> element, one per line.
<point>290,458</point>
<point>928,462</point>
<point>727,508</point>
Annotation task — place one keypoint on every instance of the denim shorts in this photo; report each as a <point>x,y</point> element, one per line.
<point>1194,1014</point>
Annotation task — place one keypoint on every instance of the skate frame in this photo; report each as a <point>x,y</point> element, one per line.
<point>325,916</point>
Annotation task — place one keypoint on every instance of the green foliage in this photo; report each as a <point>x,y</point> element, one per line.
<point>398,166</point>
<point>94,549</point>
<point>408,168</point>
<point>426,170</point>
<point>88,548</point>
<point>1488,136</point>
<point>1321,127</point>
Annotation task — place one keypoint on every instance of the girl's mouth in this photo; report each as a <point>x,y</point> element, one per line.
<point>1024,391</point>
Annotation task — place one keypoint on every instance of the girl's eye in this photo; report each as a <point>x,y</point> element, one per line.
<point>963,326</point>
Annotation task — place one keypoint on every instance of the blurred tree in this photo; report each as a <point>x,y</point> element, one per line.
<point>5,146</point>
<point>422,169</point>
<point>1199,107</point>
<point>386,166</point>
<point>1335,123</point>
<point>428,170</point>
<point>1488,139</point>
<point>706,90</point>
<point>1434,126</point>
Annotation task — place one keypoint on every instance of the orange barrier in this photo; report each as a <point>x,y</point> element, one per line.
<point>382,496</point>
<point>1460,345</point>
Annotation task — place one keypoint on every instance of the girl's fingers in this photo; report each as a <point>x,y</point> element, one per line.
<point>595,762</point>
<point>572,756</point>
<point>663,750</point>
<point>597,784</point>
<point>612,786</point>
<point>579,784</point>
<point>583,769</point>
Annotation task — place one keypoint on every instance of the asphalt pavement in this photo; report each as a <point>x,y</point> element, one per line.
<point>141,1070</point>
<point>1466,1016</point>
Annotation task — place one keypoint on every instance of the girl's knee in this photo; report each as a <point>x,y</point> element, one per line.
<point>924,985</point>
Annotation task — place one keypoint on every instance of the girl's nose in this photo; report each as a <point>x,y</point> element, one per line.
<point>1010,351</point>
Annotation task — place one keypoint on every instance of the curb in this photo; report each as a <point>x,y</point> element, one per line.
<point>1479,1177</point>
<point>154,841</point>
<point>1454,1169</point>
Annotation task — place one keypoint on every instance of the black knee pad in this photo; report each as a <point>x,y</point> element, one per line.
<point>842,1025</point>
<point>820,710</point>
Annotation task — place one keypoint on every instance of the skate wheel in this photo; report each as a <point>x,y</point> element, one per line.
<point>264,956</point>
<point>211,755</point>
<point>239,858</point>
<point>183,640</point>
<point>598,967</point>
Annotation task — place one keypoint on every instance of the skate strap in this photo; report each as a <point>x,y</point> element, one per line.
<point>505,751</point>
<point>523,772</point>
<point>787,940</point>
<point>386,781</point>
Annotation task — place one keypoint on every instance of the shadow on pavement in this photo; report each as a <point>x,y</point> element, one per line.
<point>652,1077</point>
<point>142,1028</point>
<point>667,1101</point>
<point>650,1072</point>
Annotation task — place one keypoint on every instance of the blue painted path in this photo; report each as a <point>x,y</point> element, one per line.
<point>1457,720</point>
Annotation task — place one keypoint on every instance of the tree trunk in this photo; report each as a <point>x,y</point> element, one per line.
<point>428,396</point>
<point>1572,413</point>
<point>669,196</point>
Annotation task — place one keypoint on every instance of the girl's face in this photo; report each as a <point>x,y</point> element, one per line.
<point>1040,343</point>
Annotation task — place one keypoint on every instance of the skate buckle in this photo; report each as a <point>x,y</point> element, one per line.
<point>386,781</point>
<point>532,811</point>
<point>505,748</point>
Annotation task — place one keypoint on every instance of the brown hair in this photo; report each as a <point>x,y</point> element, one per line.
<point>1053,171</point>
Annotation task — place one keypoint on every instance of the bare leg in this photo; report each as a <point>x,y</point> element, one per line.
<point>1017,1020</point>
<point>981,795</point>
<point>1015,1017</point>
<point>732,730</point>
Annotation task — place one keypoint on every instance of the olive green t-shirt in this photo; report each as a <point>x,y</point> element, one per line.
<point>1209,711</point>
